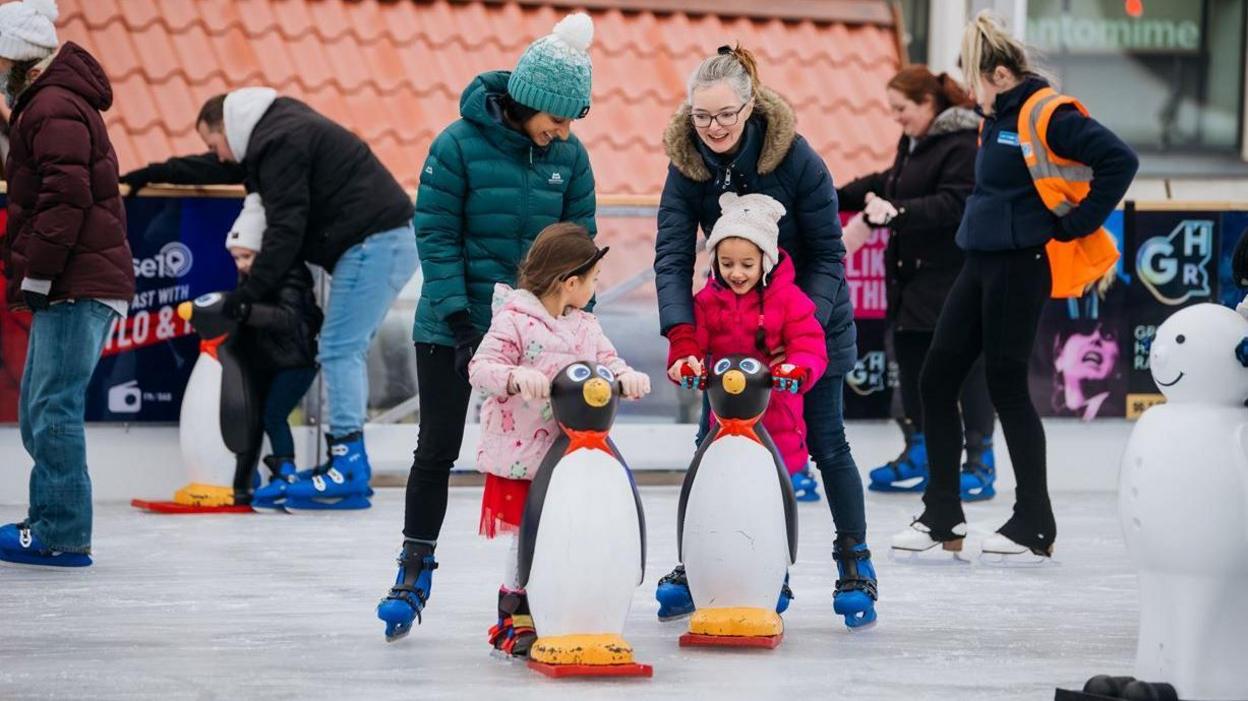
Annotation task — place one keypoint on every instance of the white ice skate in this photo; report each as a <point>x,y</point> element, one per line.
<point>908,545</point>
<point>1000,551</point>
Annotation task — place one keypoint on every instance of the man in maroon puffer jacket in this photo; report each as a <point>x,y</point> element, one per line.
<point>67,260</point>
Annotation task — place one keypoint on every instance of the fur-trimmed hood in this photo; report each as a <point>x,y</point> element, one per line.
<point>680,141</point>
<point>954,119</point>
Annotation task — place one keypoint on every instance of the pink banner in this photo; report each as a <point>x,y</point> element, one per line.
<point>864,272</point>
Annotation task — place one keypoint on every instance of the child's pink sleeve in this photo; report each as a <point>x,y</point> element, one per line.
<point>804,341</point>
<point>498,354</point>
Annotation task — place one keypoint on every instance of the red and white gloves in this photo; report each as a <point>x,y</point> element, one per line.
<point>787,377</point>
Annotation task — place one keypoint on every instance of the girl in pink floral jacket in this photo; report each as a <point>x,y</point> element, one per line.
<point>537,330</point>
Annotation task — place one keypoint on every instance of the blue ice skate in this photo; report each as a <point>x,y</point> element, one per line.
<point>20,545</point>
<point>675,601</point>
<point>856,586</point>
<point>805,486</point>
<point>340,484</point>
<point>908,473</point>
<point>979,472</point>
<point>283,473</point>
<point>411,590</point>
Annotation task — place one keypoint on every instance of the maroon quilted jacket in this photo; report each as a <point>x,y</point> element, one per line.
<point>66,219</point>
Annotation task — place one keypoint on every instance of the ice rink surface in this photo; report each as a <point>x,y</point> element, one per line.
<point>281,607</point>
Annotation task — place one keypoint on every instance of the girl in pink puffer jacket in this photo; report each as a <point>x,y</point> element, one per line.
<point>537,330</point>
<point>753,306</point>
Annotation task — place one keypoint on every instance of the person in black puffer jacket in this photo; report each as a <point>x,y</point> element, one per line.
<point>277,339</point>
<point>920,199</point>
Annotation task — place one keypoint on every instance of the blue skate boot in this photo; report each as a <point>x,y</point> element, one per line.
<point>979,472</point>
<point>411,589</point>
<point>675,601</point>
<point>20,545</point>
<point>908,473</point>
<point>805,486</point>
<point>282,474</point>
<point>786,595</point>
<point>856,590</point>
<point>340,484</point>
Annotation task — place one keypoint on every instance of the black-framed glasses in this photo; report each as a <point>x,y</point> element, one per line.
<point>726,118</point>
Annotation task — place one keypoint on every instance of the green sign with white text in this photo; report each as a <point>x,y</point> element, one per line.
<point>1104,26</point>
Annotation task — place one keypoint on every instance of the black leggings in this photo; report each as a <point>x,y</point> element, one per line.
<point>910,348</point>
<point>993,308</point>
<point>444,397</point>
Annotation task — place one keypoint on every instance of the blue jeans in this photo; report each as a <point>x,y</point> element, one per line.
<point>64,347</point>
<point>825,436</point>
<point>366,280</point>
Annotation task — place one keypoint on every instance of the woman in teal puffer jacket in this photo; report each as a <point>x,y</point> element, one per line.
<point>505,170</point>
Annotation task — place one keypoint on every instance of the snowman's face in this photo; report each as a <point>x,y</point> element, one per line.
<point>1193,356</point>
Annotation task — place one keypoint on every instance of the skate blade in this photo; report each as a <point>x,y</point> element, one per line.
<point>507,657</point>
<point>1027,560</point>
<point>862,627</point>
<point>909,486</point>
<point>932,557</point>
<point>351,503</point>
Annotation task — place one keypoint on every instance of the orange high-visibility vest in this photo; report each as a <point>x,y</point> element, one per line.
<point>1062,185</point>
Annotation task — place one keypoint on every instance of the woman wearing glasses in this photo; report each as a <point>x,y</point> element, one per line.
<point>734,135</point>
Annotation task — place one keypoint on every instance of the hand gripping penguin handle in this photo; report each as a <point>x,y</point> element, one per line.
<point>787,377</point>
<point>690,379</point>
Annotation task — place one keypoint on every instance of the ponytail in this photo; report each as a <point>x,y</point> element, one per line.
<point>986,45</point>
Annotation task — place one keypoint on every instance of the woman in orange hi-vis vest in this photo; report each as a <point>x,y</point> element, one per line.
<point>1046,177</point>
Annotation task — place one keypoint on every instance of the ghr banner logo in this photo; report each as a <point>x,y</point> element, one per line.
<point>870,374</point>
<point>1175,267</point>
<point>174,260</point>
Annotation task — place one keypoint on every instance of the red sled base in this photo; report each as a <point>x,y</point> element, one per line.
<point>699,640</point>
<point>172,507</point>
<point>559,671</point>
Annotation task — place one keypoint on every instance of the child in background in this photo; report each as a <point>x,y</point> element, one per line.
<point>277,340</point>
<point>537,330</point>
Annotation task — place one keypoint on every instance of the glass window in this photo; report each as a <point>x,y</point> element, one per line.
<point>1166,75</point>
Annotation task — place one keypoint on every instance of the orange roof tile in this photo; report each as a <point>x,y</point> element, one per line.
<point>393,70</point>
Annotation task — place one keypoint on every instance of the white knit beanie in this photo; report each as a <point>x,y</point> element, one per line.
<point>755,218</point>
<point>248,229</point>
<point>27,29</point>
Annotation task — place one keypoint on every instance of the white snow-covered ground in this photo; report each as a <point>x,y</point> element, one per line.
<point>281,607</point>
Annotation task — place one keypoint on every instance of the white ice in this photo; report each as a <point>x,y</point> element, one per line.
<point>281,607</point>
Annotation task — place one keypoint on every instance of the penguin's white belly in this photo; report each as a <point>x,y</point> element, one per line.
<point>204,453</point>
<point>735,541</point>
<point>587,554</point>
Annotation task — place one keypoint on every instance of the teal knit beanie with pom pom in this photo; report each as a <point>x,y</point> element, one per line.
<point>554,74</point>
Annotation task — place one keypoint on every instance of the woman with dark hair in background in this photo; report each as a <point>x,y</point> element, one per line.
<point>920,199</point>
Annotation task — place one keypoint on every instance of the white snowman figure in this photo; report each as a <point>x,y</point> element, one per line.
<point>1183,504</point>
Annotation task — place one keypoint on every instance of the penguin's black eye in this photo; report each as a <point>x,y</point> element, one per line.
<point>722,366</point>
<point>606,374</point>
<point>751,366</point>
<point>1180,339</point>
<point>579,373</point>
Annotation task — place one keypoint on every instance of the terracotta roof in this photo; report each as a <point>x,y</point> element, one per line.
<point>393,71</point>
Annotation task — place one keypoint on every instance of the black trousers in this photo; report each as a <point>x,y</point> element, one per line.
<point>444,397</point>
<point>993,308</point>
<point>910,349</point>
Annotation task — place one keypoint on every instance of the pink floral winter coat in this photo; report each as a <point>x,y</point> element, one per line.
<point>516,434</point>
<point>726,323</point>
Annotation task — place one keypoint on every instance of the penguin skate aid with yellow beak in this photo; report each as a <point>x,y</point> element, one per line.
<point>737,519</point>
<point>219,425</point>
<point>582,538</point>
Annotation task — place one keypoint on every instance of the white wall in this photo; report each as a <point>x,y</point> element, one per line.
<point>127,462</point>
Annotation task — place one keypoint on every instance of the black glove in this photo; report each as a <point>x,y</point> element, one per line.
<point>137,179</point>
<point>467,338</point>
<point>35,300</point>
<point>236,306</point>
<point>1239,262</point>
